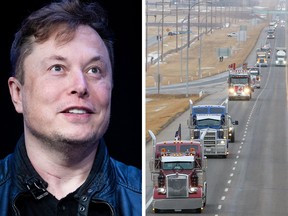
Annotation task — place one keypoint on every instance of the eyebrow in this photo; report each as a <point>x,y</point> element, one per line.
<point>61,58</point>
<point>55,57</point>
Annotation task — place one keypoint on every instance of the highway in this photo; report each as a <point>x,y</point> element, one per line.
<point>253,179</point>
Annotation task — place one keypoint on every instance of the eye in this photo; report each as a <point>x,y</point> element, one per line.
<point>94,70</point>
<point>57,68</point>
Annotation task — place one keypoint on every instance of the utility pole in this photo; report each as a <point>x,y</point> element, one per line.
<point>188,45</point>
<point>162,41</point>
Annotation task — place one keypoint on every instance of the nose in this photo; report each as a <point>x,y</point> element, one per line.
<point>79,85</point>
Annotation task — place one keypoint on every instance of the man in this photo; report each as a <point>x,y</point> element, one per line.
<point>62,62</point>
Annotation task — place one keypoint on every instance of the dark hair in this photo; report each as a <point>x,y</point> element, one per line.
<point>41,24</point>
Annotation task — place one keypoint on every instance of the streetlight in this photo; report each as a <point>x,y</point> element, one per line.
<point>181,48</point>
<point>207,2</point>
<point>198,18</point>
<point>199,59</point>
<point>188,45</point>
<point>162,30</point>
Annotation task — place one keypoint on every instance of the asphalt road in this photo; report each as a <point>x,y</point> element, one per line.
<point>253,179</point>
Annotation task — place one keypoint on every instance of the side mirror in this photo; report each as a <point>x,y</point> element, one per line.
<point>235,122</point>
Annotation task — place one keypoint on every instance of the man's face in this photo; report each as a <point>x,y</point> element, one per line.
<point>67,88</point>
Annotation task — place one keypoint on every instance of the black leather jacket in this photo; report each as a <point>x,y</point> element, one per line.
<point>111,183</point>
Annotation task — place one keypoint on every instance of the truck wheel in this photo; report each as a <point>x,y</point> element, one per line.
<point>205,197</point>
<point>232,138</point>
<point>198,210</point>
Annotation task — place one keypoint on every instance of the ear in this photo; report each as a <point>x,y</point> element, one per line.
<point>15,93</point>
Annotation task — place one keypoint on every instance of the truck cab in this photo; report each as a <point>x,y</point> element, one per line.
<point>239,84</point>
<point>178,172</point>
<point>219,125</point>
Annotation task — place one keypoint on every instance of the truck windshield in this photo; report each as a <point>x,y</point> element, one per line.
<point>256,73</point>
<point>243,80</point>
<point>208,110</point>
<point>178,165</point>
<point>186,148</point>
<point>215,110</point>
<point>200,110</point>
<point>208,122</point>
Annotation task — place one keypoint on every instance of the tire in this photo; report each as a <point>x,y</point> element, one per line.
<point>232,140</point>
<point>205,198</point>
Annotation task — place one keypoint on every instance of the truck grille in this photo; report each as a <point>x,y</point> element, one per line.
<point>177,186</point>
<point>210,138</point>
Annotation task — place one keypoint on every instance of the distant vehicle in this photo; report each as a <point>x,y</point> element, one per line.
<point>172,33</point>
<point>267,49</point>
<point>232,34</point>
<point>270,36</point>
<point>280,56</point>
<point>271,30</point>
<point>261,58</point>
<point>177,33</point>
<point>255,76</point>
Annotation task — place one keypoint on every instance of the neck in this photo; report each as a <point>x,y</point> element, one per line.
<point>64,172</point>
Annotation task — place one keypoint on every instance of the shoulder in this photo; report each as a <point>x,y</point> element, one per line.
<point>5,169</point>
<point>129,188</point>
<point>128,176</point>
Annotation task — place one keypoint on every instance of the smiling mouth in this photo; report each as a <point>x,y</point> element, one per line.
<point>78,111</point>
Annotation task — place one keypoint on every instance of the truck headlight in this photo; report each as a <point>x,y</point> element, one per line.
<point>161,190</point>
<point>222,142</point>
<point>231,90</point>
<point>246,90</point>
<point>193,189</point>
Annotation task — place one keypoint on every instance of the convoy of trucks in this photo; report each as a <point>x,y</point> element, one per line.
<point>178,171</point>
<point>280,56</point>
<point>178,166</point>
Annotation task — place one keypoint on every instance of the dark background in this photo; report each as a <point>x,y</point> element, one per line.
<point>124,136</point>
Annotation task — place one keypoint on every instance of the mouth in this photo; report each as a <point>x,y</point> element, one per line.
<point>77,110</point>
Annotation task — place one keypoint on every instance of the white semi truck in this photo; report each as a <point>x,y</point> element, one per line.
<point>280,58</point>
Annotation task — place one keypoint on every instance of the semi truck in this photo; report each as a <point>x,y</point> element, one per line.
<point>240,85</point>
<point>219,125</point>
<point>261,58</point>
<point>280,56</point>
<point>178,172</point>
<point>255,74</point>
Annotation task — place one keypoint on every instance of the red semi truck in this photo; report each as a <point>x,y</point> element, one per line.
<point>178,171</point>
